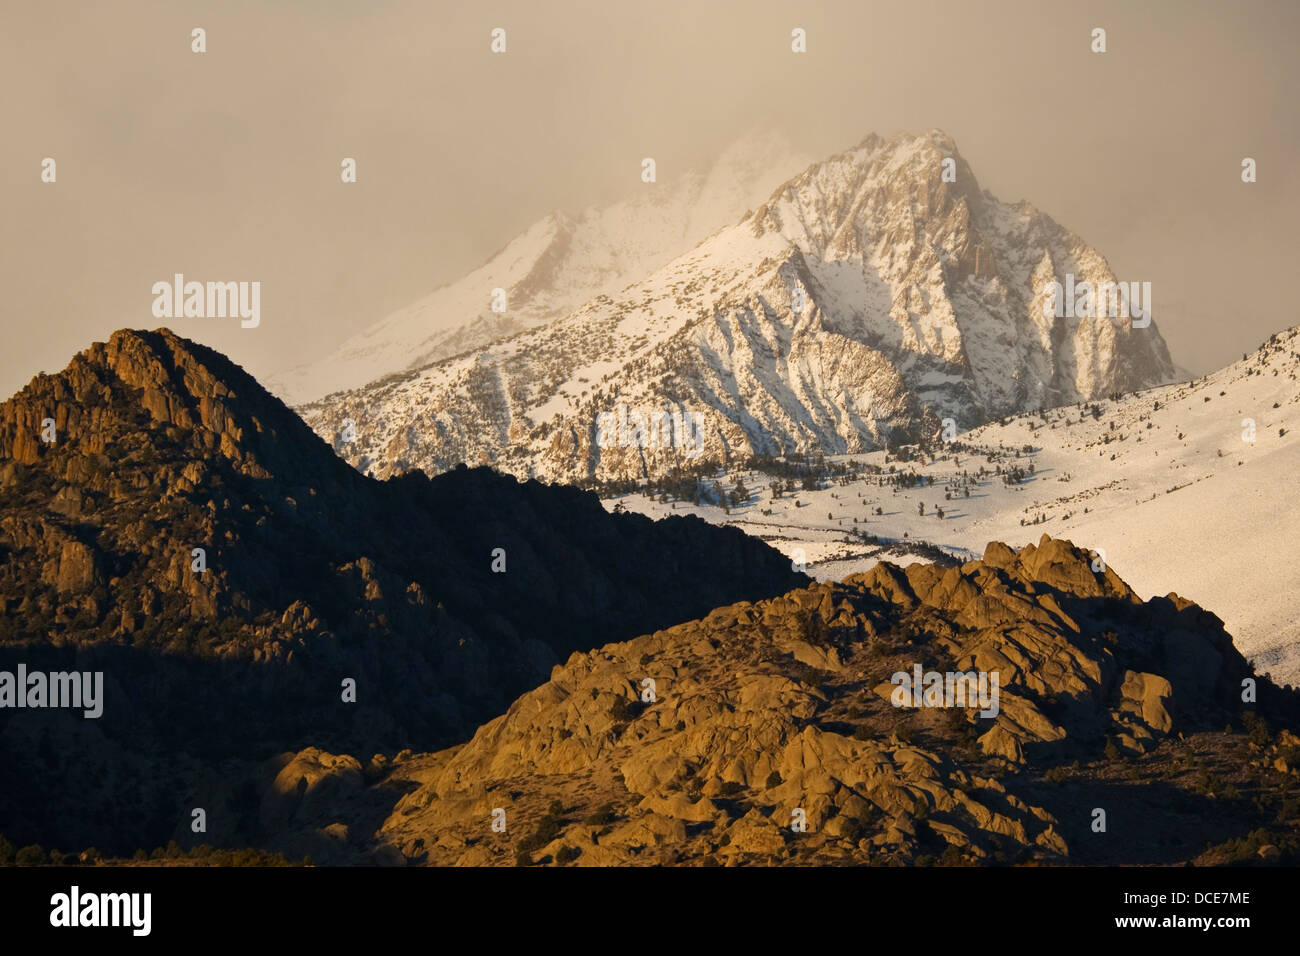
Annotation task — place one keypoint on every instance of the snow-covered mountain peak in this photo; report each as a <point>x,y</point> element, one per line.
<point>872,295</point>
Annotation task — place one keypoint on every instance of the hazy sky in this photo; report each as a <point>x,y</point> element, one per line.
<point>225,165</point>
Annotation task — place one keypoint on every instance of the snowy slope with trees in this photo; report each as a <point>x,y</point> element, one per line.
<point>1166,484</point>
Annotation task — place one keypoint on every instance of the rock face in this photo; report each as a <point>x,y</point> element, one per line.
<point>187,534</point>
<point>779,712</point>
<point>866,300</point>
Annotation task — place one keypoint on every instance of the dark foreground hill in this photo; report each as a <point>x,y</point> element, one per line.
<point>310,576</point>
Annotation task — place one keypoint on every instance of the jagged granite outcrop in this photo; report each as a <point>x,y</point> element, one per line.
<point>764,709</point>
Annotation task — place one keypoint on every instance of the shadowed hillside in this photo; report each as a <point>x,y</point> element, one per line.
<point>313,574</point>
